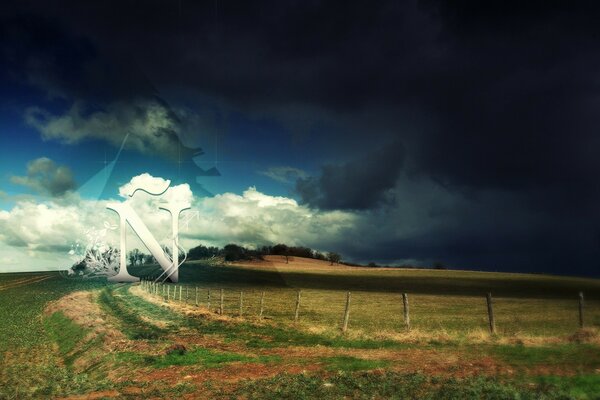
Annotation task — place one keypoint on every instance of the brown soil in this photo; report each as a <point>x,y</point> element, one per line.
<point>82,308</point>
<point>104,394</point>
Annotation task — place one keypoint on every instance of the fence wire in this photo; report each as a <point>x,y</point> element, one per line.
<point>373,312</point>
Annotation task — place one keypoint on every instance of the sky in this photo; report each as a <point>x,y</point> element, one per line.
<point>419,132</point>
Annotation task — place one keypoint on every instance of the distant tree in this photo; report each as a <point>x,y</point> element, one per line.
<point>301,251</point>
<point>202,252</point>
<point>281,250</point>
<point>234,252</point>
<point>333,258</point>
<point>372,265</point>
<point>265,250</point>
<point>136,257</point>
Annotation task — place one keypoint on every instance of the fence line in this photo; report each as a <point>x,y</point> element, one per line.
<point>248,307</point>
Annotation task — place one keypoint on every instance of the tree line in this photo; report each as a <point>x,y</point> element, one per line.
<point>235,252</point>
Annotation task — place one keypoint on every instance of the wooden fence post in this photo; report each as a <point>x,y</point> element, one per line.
<point>241,303</point>
<point>168,292</point>
<point>208,301</point>
<point>187,294</point>
<point>346,313</point>
<point>262,303</point>
<point>297,306</point>
<point>221,305</point>
<point>180,288</point>
<point>196,296</point>
<point>581,301</point>
<point>490,309</point>
<point>406,310</point>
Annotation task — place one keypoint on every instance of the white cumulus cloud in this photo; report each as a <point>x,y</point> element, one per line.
<point>42,231</point>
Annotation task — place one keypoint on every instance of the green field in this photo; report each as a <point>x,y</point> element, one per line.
<point>115,341</point>
<point>450,302</point>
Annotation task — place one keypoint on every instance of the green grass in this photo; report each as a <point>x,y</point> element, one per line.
<point>383,312</point>
<point>432,282</point>
<point>576,356</point>
<point>252,334</point>
<point>451,302</point>
<point>21,311</point>
<point>129,320</point>
<point>391,385</point>
<point>64,332</point>
<point>199,356</point>
<point>578,387</point>
<point>272,336</point>
<point>441,302</point>
<point>29,365</point>
<point>346,363</point>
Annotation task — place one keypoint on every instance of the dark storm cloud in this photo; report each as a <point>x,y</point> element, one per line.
<point>66,64</point>
<point>483,98</point>
<point>358,184</point>
<point>107,96</point>
<point>492,91</point>
<point>45,177</point>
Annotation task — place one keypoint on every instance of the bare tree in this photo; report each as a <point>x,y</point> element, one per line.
<point>334,258</point>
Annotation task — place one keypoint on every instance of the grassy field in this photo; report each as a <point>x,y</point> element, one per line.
<point>525,305</point>
<point>23,298</point>
<point>108,341</point>
<point>418,281</point>
<point>29,362</point>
